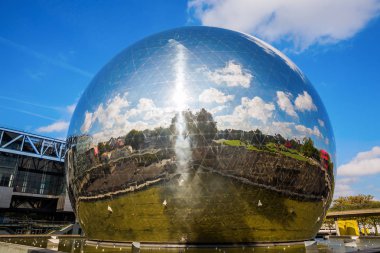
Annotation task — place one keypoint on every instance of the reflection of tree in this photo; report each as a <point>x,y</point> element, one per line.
<point>276,143</point>
<point>200,127</point>
<point>160,136</point>
<point>103,147</point>
<point>309,150</point>
<point>135,139</point>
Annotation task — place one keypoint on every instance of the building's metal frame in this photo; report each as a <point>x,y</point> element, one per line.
<point>42,147</point>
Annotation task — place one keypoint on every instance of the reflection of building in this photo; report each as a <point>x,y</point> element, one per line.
<point>32,183</point>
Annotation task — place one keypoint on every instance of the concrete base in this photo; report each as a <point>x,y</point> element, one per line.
<point>5,196</point>
<point>17,248</point>
<point>107,244</point>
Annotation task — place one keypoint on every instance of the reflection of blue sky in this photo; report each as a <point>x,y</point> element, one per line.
<point>241,77</point>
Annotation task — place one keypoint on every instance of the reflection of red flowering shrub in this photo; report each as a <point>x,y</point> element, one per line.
<point>325,159</point>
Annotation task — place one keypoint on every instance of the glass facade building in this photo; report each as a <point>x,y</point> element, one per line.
<point>32,183</point>
<point>200,135</point>
<point>31,175</point>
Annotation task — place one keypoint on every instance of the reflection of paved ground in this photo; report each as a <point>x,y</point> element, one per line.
<point>292,177</point>
<point>228,193</point>
<point>205,207</point>
<point>125,174</point>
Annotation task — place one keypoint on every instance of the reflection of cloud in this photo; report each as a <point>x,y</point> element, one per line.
<point>217,109</point>
<point>88,121</point>
<point>58,126</point>
<point>309,131</point>
<point>304,23</point>
<point>107,115</point>
<point>255,108</point>
<point>290,130</point>
<point>304,102</point>
<point>117,118</point>
<point>284,128</point>
<point>214,95</point>
<point>364,163</point>
<point>232,75</point>
<point>283,101</point>
<point>321,123</point>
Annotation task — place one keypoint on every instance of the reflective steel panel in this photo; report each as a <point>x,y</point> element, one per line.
<point>200,135</point>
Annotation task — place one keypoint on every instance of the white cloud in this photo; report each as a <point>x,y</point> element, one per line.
<point>59,126</point>
<point>71,108</point>
<point>364,163</point>
<point>321,123</point>
<point>303,23</point>
<point>255,108</point>
<point>343,187</point>
<point>283,101</point>
<point>214,95</point>
<point>232,75</point>
<point>304,102</point>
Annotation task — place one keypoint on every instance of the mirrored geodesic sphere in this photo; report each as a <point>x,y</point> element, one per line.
<point>200,135</point>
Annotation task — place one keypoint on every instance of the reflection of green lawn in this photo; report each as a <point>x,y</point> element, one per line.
<point>206,208</point>
<point>238,143</point>
<point>286,151</point>
<point>268,147</point>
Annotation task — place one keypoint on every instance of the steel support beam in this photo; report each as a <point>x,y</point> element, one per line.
<point>40,145</point>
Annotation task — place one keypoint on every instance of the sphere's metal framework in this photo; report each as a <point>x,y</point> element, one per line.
<point>200,135</point>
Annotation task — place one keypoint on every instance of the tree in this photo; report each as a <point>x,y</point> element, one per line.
<point>360,201</point>
<point>330,224</point>
<point>374,220</point>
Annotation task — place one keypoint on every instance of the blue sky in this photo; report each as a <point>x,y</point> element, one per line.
<point>50,50</point>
